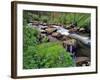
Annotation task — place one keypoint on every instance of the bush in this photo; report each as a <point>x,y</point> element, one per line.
<point>44,19</point>
<point>30,60</point>
<point>30,36</point>
<point>53,55</point>
<point>47,55</point>
<point>30,40</point>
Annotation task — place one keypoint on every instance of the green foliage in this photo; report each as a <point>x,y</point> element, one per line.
<point>44,39</point>
<point>44,19</point>
<point>29,17</point>
<point>44,55</point>
<point>82,19</point>
<point>53,55</point>
<point>41,53</point>
<point>30,37</point>
<point>63,19</point>
<point>47,55</point>
<point>30,60</point>
<point>35,17</point>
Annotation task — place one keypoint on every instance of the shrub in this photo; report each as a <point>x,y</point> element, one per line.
<point>30,36</point>
<point>53,55</point>
<point>44,19</point>
<point>30,40</point>
<point>47,55</point>
<point>30,60</point>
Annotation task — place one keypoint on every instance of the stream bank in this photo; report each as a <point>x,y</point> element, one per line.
<point>77,45</point>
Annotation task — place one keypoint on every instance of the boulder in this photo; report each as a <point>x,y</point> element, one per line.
<point>70,42</point>
<point>83,50</point>
<point>42,31</point>
<point>82,61</point>
<point>50,26</point>
<point>64,38</point>
<point>50,30</point>
<point>44,24</point>
<point>52,39</point>
<point>82,30</point>
<point>73,30</point>
<point>67,27</point>
<point>56,34</point>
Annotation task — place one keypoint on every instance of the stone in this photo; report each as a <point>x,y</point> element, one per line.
<point>81,29</point>
<point>44,24</point>
<point>64,38</point>
<point>70,42</point>
<point>50,30</point>
<point>50,26</point>
<point>70,45</point>
<point>42,31</point>
<point>35,23</point>
<point>73,30</point>
<point>67,27</point>
<point>52,39</point>
<point>82,61</point>
<point>83,50</point>
<point>56,34</point>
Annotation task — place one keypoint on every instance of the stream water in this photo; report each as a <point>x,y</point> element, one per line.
<point>84,42</point>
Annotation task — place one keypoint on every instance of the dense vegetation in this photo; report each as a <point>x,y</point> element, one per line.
<point>43,55</point>
<point>79,19</point>
<point>39,52</point>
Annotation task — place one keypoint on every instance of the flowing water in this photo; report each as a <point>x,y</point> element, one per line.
<point>83,42</point>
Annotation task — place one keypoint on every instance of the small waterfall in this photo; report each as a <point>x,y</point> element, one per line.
<point>72,50</point>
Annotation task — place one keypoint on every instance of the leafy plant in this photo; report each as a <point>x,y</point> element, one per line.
<point>53,55</point>
<point>44,19</point>
<point>45,55</point>
<point>30,37</point>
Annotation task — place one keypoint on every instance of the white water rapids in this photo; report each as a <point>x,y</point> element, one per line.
<point>63,31</point>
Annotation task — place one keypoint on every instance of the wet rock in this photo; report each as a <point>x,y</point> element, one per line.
<point>70,45</point>
<point>42,31</point>
<point>50,26</point>
<point>64,38</point>
<point>67,27</point>
<point>52,39</point>
<point>82,30</point>
<point>82,61</point>
<point>44,24</point>
<point>73,30</point>
<point>56,34</point>
<point>83,50</point>
<point>70,42</point>
<point>50,30</point>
